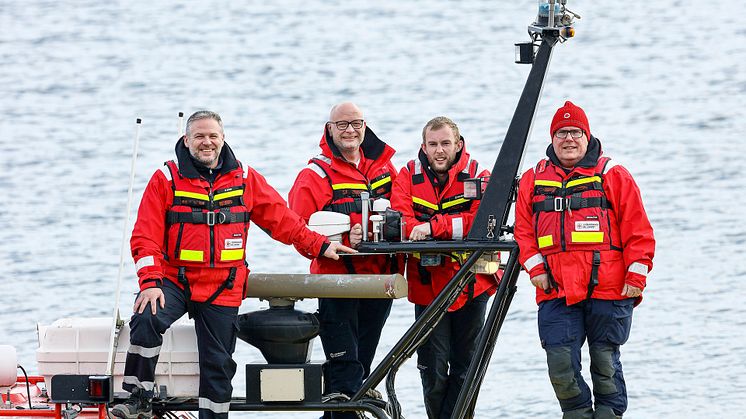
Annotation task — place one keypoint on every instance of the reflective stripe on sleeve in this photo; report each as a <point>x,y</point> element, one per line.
<point>144,262</point>
<point>639,268</point>
<point>205,403</point>
<point>316,169</point>
<point>533,261</point>
<point>457,224</point>
<point>143,351</point>
<point>145,385</point>
<point>610,165</point>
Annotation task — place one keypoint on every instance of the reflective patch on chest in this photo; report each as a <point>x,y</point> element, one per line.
<point>587,226</point>
<point>233,243</point>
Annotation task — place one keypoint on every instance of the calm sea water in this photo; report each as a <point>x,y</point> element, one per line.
<point>662,84</point>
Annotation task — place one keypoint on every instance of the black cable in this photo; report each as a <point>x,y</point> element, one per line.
<point>28,387</point>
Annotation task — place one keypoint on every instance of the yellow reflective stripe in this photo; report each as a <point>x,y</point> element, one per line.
<point>237,192</point>
<point>540,182</point>
<point>339,186</point>
<point>231,254</point>
<point>194,195</point>
<point>545,241</point>
<point>380,182</point>
<point>424,203</point>
<point>583,181</point>
<point>191,255</point>
<point>587,236</point>
<point>454,202</point>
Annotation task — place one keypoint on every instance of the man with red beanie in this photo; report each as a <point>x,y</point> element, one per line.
<point>588,245</point>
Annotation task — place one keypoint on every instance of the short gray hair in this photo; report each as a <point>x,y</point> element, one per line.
<point>439,122</point>
<point>204,114</point>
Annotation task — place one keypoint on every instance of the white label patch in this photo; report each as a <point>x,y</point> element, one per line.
<point>233,243</point>
<point>587,226</point>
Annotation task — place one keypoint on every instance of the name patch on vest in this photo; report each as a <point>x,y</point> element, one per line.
<point>233,243</point>
<point>587,226</point>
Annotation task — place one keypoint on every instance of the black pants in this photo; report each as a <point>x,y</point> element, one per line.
<point>350,331</point>
<point>215,327</point>
<point>444,358</point>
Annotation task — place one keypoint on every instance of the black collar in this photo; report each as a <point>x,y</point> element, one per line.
<point>372,146</point>
<point>589,160</point>
<point>192,169</point>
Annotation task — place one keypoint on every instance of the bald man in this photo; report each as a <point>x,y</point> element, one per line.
<point>352,160</point>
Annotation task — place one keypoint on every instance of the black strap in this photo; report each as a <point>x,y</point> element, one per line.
<point>353,207</point>
<point>470,288</point>
<point>181,276</point>
<point>393,264</point>
<point>347,261</point>
<point>594,273</point>
<point>425,276</point>
<point>551,204</point>
<point>209,218</point>
<point>227,284</point>
<point>552,282</point>
<point>158,282</point>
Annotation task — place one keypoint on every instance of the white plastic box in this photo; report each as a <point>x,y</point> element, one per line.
<point>81,346</point>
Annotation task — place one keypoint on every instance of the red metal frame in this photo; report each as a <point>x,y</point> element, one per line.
<point>102,412</point>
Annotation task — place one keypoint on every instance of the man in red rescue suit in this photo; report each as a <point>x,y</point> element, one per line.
<point>588,246</point>
<point>352,160</point>
<point>429,192</point>
<point>189,246</point>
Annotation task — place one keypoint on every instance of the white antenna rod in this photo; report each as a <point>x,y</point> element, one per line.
<point>116,325</point>
<point>181,126</point>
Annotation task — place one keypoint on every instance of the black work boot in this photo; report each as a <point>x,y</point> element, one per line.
<point>605,412</point>
<point>137,406</point>
<point>582,413</point>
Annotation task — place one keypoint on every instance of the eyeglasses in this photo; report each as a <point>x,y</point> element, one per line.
<point>342,125</point>
<point>574,133</point>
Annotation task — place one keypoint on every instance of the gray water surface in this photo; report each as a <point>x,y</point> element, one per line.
<point>662,83</point>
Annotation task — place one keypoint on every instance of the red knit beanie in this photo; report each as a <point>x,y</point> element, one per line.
<point>570,115</point>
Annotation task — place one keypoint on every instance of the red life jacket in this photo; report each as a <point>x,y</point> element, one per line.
<point>425,202</point>
<point>346,191</point>
<point>346,199</point>
<point>425,282</point>
<point>573,213</point>
<point>206,227</point>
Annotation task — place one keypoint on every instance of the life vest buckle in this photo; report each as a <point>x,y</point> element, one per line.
<point>212,217</point>
<point>559,204</point>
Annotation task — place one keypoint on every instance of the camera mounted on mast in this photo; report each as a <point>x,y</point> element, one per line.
<point>553,19</point>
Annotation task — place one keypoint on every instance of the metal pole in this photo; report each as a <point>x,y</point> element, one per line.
<point>444,300</point>
<point>115,316</point>
<point>497,197</point>
<point>487,338</point>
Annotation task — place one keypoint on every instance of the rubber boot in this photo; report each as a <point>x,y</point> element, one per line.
<point>582,413</point>
<point>605,412</point>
